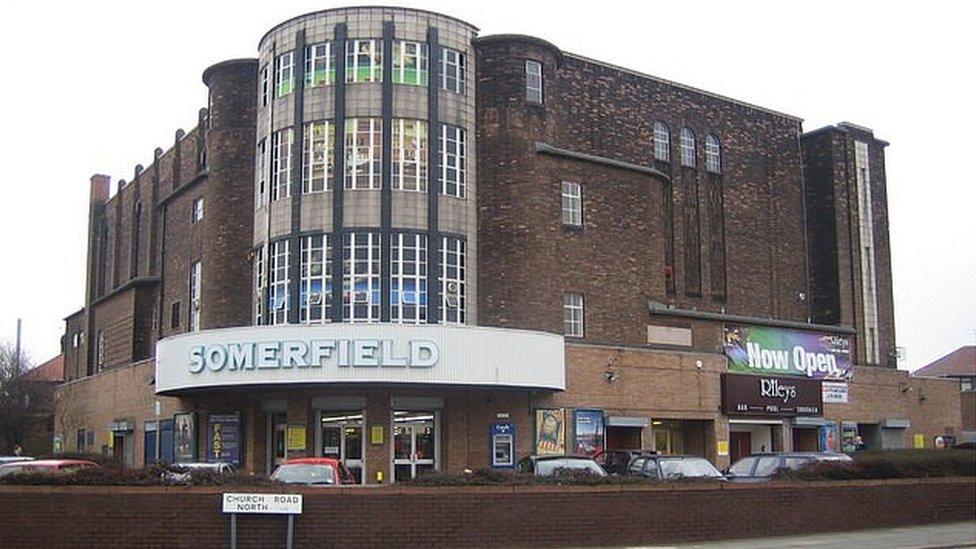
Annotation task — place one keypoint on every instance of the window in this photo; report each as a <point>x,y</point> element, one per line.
<point>281,164</point>
<point>453,171</point>
<point>195,272</point>
<point>264,86</point>
<point>662,142</point>
<point>315,297</point>
<point>197,211</point>
<point>967,383</point>
<point>364,61</point>
<point>687,148</point>
<point>317,157</point>
<point>452,70</point>
<point>767,466</point>
<point>278,288</point>
<point>100,351</point>
<point>361,284</point>
<point>80,440</point>
<point>713,154</point>
<point>410,63</point>
<point>408,278</point>
<point>533,81</point>
<point>262,172</point>
<point>76,339</point>
<point>259,286</point>
<point>409,162</point>
<point>319,64</point>
<point>174,316</point>
<point>364,146</point>
<point>284,74</point>
<point>572,204</point>
<point>452,280</point>
<point>573,315</point>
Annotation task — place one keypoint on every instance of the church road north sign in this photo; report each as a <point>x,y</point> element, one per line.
<point>265,504</point>
<point>360,353</point>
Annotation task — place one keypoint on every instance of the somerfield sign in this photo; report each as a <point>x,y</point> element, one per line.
<point>784,352</point>
<point>358,353</point>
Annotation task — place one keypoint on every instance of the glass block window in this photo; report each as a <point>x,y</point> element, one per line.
<point>662,142</point>
<point>573,315</point>
<point>195,273</point>
<point>410,63</point>
<point>317,156</point>
<point>572,198</point>
<point>361,282</point>
<point>533,81</point>
<point>265,86</point>
<point>452,280</point>
<point>687,148</point>
<point>319,64</point>
<point>278,288</point>
<point>453,70</point>
<point>453,170</point>
<point>364,153</point>
<point>261,173</point>
<point>409,162</point>
<point>408,278</point>
<point>713,154</point>
<point>315,298</point>
<point>364,61</point>
<point>281,164</point>
<point>259,301</point>
<point>284,74</point>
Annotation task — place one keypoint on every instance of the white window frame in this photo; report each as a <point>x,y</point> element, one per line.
<point>318,146</point>
<point>713,154</point>
<point>259,300</point>
<point>688,159</point>
<point>281,142</point>
<point>573,315</point>
<point>197,213</point>
<point>319,54</point>
<point>453,63</point>
<point>261,175</point>
<point>278,302</point>
<point>196,274</point>
<point>363,153</point>
<point>453,272</point>
<point>409,164</point>
<point>373,50</point>
<point>405,271</point>
<point>662,142</point>
<point>100,351</point>
<point>453,165</point>
<point>316,267</point>
<point>405,51</point>
<point>284,74</point>
<point>533,81</point>
<point>265,86</point>
<point>367,271</point>
<point>572,204</point>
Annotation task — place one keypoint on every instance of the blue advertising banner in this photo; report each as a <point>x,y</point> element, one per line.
<point>224,438</point>
<point>780,351</point>
<point>590,432</point>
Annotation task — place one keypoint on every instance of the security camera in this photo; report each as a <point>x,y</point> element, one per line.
<point>610,376</point>
<point>699,364</point>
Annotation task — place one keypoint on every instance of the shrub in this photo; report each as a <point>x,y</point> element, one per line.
<point>153,475</point>
<point>502,477</point>
<point>890,464</point>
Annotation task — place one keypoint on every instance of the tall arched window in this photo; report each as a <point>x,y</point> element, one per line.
<point>713,154</point>
<point>662,142</point>
<point>687,148</point>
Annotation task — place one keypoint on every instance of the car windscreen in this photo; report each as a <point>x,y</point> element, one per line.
<point>685,468</point>
<point>549,467</point>
<point>743,467</point>
<point>301,473</point>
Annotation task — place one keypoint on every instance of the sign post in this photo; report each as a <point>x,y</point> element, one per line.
<point>265,504</point>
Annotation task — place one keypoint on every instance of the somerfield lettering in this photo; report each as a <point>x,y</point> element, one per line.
<point>357,353</point>
<point>800,359</point>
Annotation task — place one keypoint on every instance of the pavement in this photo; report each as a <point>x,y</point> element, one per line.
<point>939,536</point>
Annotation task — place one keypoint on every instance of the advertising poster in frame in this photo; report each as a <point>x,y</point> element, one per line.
<point>224,438</point>
<point>550,431</point>
<point>184,437</point>
<point>783,352</point>
<point>590,432</point>
<point>829,437</point>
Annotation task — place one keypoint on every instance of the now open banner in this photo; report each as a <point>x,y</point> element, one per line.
<point>785,352</point>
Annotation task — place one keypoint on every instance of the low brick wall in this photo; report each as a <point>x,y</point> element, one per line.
<point>105,516</point>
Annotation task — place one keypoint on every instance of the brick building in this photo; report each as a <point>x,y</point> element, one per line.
<point>959,366</point>
<point>396,242</point>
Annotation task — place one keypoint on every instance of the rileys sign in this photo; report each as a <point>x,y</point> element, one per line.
<point>784,352</point>
<point>744,395</point>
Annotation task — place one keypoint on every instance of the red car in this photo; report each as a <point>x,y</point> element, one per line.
<point>45,466</point>
<point>313,472</point>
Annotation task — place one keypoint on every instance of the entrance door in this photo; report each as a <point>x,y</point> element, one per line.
<point>414,444</point>
<point>806,440</point>
<point>118,447</point>
<point>740,445</point>
<point>342,439</point>
<point>279,432</point>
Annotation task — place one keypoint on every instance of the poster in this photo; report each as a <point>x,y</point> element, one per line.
<point>224,438</point>
<point>590,432</point>
<point>550,431</point>
<point>785,352</point>
<point>918,441</point>
<point>295,438</point>
<point>184,438</point>
<point>829,437</point>
<point>848,437</point>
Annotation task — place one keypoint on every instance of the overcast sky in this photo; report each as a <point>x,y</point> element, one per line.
<point>94,87</point>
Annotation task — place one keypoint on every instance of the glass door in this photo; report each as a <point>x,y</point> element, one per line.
<point>277,451</point>
<point>414,444</point>
<point>342,439</point>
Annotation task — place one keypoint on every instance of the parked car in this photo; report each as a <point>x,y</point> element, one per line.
<point>313,472</point>
<point>762,467</point>
<point>45,466</point>
<point>182,473</point>
<point>616,461</point>
<point>13,459</point>
<point>547,466</point>
<point>673,468</point>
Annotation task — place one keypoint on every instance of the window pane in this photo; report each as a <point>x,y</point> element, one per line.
<point>533,81</point>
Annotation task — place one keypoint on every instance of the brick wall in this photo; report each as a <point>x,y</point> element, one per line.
<point>482,516</point>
